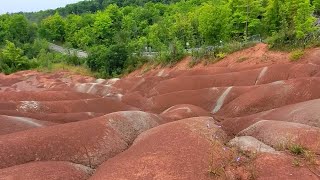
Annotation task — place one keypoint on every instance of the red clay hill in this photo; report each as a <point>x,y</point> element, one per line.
<point>252,115</point>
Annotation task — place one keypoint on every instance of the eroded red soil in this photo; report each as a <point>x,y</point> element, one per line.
<point>252,115</point>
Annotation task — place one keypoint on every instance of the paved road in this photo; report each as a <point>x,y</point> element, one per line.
<point>60,49</point>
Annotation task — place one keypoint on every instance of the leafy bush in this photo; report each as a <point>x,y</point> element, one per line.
<point>80,70</point>
<point>12,59</point>
<point>172,55</point>
<point>134,62</point>
<point>44,59</point>
<point>233,46</point>
<point>73,59</point>
<point>296,149</point>
<point>32,50</point>
<point>288,42</point>
<point>97,56</point>
<point>108,61</point>
<point>221,55</point>
<point>296,55</point>
<point>117,55</point>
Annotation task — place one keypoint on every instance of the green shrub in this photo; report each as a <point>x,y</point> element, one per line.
<point>296,149</point>
<point>193,62</point>
<point>172,55</point>
<point>12,59</point>
<point>221,55</point>
<point>199,54</point>
<point>296,55</point>
<point>80,70</point>
<point>32,50</point>
<point>97,56</point>
<point>44,59</point>
<point>289,42</point>
<point>117,56</point>
<point>73,59</point>
<point>108,61</point>
<point>135,62</point>
<point>234,46</point>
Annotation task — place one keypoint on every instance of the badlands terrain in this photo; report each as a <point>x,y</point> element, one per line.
<point>252,115</point>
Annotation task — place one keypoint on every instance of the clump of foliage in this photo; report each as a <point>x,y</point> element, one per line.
<point>12,59</point>
<point>297,149</point>
<point>242,59</point>
<point>296,54</point>
<point>108,61</point>
<point>57,67</point>
<point>302,152</point>
<point>172,55</point>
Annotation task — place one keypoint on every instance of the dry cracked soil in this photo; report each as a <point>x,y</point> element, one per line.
<point>254,119</point>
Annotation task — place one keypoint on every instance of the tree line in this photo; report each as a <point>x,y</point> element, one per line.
<point>112,31</point>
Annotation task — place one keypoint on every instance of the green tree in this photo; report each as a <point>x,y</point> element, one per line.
<point>108,61</point>
<point>83,37</point>
<point>3,28</point>
<point>12,59</point>
<point>117,56</point>
<point>17,29</point>
<point>53,28</point>
<point>316,4</point>
<point>102,27</point>
<point>246,17</point>
<point>304,20</point>
<point>73,24</point>
<point>214,22</point>
<point>182,29</point>
<point>274,18</point>
<point>97,58</point>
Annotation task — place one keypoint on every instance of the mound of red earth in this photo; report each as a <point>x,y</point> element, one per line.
<point>257,118</point>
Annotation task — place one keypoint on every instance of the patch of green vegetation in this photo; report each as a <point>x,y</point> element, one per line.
<point>242,59</point>
<point>78,70</point>
<point>296,54</point>
<point>310,156</point>
<point>296,149</point>
<point>192,63</point>
<point>302,154</point>
<point>221,55</point>
<point>147,68</point>
<point>12,59</point>
<point>296,162</point>
<point>112,32</point>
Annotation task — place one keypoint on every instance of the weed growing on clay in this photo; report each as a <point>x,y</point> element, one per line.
<point>296,55</point>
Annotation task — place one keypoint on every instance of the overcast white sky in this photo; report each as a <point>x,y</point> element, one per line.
<point>31,5</point>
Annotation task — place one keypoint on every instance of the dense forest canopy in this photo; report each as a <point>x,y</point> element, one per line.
<point>89,6</point>
<point>113,30</point>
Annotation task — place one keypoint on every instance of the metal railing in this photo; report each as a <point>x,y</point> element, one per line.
<point>68,51</point>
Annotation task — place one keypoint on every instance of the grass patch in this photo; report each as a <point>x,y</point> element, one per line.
<point>192,63</point>
<point>296,55</point>
<point>242,59</point>
<point>296,162</point>
<point>221,55</point>
<point>236,46</point>
<point>296,149</point>
<point>147,68</point>
<point>310,157</point>
<point>57,67</point>
<point>210,56</point>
